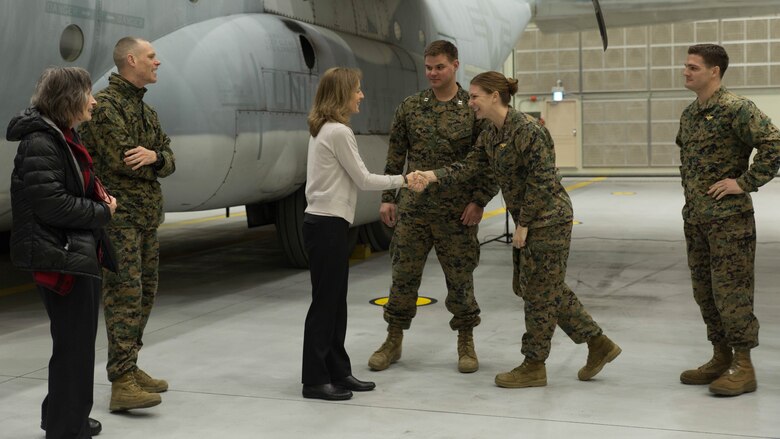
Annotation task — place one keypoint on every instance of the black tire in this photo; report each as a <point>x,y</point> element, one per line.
<point>5,239</point>
<point>353,236</point>
<point>377,235</point>
<point>289,227</point>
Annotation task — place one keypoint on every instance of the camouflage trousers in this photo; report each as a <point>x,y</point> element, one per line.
<point>457,248</point>
<point>721,255</point>
<point>128,295</point>
<point>539,278</point>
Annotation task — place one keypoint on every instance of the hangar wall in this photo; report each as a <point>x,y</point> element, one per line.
<point>630,97</point>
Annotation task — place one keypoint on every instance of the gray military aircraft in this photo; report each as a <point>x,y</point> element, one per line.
<point>238,76</point>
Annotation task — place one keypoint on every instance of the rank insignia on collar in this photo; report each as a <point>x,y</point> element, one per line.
<point>708,117</point>
<point>502,145</point>
<point>425,100</point>
<point>460,102</point>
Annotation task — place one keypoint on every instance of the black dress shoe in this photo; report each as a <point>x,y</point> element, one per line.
<point>94,427</point>
<point>351,383</point>
<point>326,391</point>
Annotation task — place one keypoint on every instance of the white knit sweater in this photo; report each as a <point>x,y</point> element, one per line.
<point>335,172</point>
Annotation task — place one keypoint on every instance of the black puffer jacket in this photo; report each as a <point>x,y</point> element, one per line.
<point>54,224</point>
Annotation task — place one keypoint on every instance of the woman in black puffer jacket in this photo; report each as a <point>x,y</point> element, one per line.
<point>59,209</point>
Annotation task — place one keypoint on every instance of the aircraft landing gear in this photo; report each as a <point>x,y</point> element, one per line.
<point>289,228</point>
<point>377,235</point>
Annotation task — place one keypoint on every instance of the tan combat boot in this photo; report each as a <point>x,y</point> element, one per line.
<point>739,378</point>
<point>149,384</point>
<point>529,374</point>
<point>127,395</point>
<point>601,350</point>
<point>390,351</point>
<point>467,357</point>
<point>711,370</point>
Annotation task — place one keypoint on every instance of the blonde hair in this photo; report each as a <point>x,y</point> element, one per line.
<point>494,81</point>
<point>334,92</point>
<point>61,94</point>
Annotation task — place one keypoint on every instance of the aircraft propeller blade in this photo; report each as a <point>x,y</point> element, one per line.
<point>602,25</point>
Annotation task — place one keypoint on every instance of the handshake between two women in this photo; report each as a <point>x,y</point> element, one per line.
<point>419,180</point>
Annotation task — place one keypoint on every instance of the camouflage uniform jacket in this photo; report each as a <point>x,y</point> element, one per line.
<point>430,134</point>
<point>121,121</point>
<point>522,158</point>
<point>716,139</point>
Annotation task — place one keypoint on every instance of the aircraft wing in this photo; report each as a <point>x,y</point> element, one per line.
<point>577,15</point>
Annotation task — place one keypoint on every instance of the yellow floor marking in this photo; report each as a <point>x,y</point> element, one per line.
<point>201,220</point>
<point>585,183</point>
<point>421,301</point>
<point>17,289</point>
<point>30,287</point>
<point>570,188</point>
<point>486,215</point>
<point>493,213</point>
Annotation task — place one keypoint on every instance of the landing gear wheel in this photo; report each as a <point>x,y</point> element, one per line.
<point>377,235</point>
<point>289,227</point>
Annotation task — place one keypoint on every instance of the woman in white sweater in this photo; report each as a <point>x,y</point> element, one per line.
<point>334,173</point>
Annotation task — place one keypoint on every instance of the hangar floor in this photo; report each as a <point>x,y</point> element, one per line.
<point>226,332</point>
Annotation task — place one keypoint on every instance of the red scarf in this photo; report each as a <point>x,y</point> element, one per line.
<point>62,283</point>
<point>93,188</point>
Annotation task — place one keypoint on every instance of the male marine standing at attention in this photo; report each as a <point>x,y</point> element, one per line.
<point>432,129</point>
<point>718,132</point>
<point>130,152</point>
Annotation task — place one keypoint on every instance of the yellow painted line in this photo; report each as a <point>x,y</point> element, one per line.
<point>201,220</point>
<point>623,193</point>
<point>575,186</point>
<point>17,289</point>
<point>486,215</point>
<point>493,213</point>
<point>585,183</point>
<point>30,287</point>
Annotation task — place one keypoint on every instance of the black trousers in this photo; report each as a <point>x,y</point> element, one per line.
<point>324,357</point>
<point>74,319</point>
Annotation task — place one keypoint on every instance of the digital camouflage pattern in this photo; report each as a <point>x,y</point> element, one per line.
<point>539,278</point>
<point>430,134</point>
<point>121,121</point>
<point>716,139</point>
<point>457,248</point>
<point>521,156</point>
<point>128,296</point>
<point>721,256</point>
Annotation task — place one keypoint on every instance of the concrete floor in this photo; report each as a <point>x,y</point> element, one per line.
<point>227,332</point>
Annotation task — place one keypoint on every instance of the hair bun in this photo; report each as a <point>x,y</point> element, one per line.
<point>512,85</point>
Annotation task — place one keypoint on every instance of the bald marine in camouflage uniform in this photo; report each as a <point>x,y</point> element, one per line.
<point>130,152</point>
<point>430,129</point>
<point>521,155</point>
<point>718,133</point>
